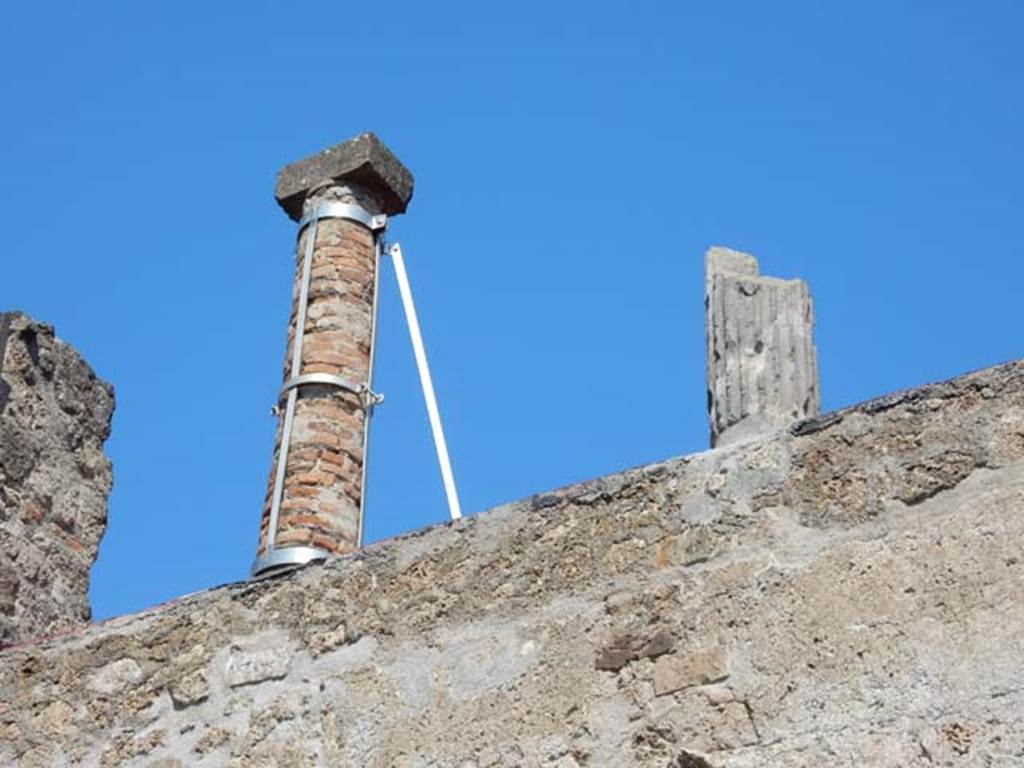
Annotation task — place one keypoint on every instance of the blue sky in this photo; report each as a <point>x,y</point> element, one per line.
<point>571,169</point>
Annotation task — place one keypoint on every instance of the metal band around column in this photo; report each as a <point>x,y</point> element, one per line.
<point>345,211</point>
<point>273,558</point>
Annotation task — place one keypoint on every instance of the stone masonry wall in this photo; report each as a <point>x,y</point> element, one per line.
<point>847,593</point>
<point>54,479</point>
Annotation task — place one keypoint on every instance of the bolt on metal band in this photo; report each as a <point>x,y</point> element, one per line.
<point>347,211</point>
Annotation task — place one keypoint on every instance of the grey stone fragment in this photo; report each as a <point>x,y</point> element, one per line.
<point>626,648</point>
<point>246,667</point>
<point>688,759</point>
<point>614,657</point>
<point>762,371</point>
<point>115,677</point>
<point>683,670</point>
<point>190,689</point>
<point>363,159</point>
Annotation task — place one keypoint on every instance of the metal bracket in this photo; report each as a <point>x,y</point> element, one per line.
<point>327,379</point>
<point>278,560</point>
<point>358,214</point>
<point>368,396</point>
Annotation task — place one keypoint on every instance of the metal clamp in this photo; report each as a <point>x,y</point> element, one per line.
<point>347,211</point>
<point>367,395</point>
<point>328,379</point>
<point>275,561</point>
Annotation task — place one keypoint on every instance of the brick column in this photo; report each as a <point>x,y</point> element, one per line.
<point>338,195</point>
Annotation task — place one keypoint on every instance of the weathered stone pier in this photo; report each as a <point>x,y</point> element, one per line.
<point>762,369</point>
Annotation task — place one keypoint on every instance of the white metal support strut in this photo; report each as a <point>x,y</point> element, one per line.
<point>428,385</point>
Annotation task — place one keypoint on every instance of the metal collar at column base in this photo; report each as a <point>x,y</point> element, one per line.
<point>286,558</point>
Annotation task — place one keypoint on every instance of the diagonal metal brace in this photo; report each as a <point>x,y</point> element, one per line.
<point>434,416</point>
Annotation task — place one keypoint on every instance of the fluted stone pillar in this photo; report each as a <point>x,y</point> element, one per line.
<point>341,197</point>
<point>762,371</point>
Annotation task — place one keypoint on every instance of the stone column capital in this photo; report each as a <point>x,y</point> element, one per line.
<point>363,160</point>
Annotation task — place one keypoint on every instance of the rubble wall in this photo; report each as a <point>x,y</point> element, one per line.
<point>847,593</point>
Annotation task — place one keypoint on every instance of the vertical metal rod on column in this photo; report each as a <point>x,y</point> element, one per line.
<point>378,245</point>
<point>296,367</point>
<point>428,386</point>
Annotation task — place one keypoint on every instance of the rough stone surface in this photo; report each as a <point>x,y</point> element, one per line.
<point>845,593</point>
<point>762,370</point>
<point>699,666</point>
<point>54,479</point>
<point>323,472</point>
<point>363,160</point>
